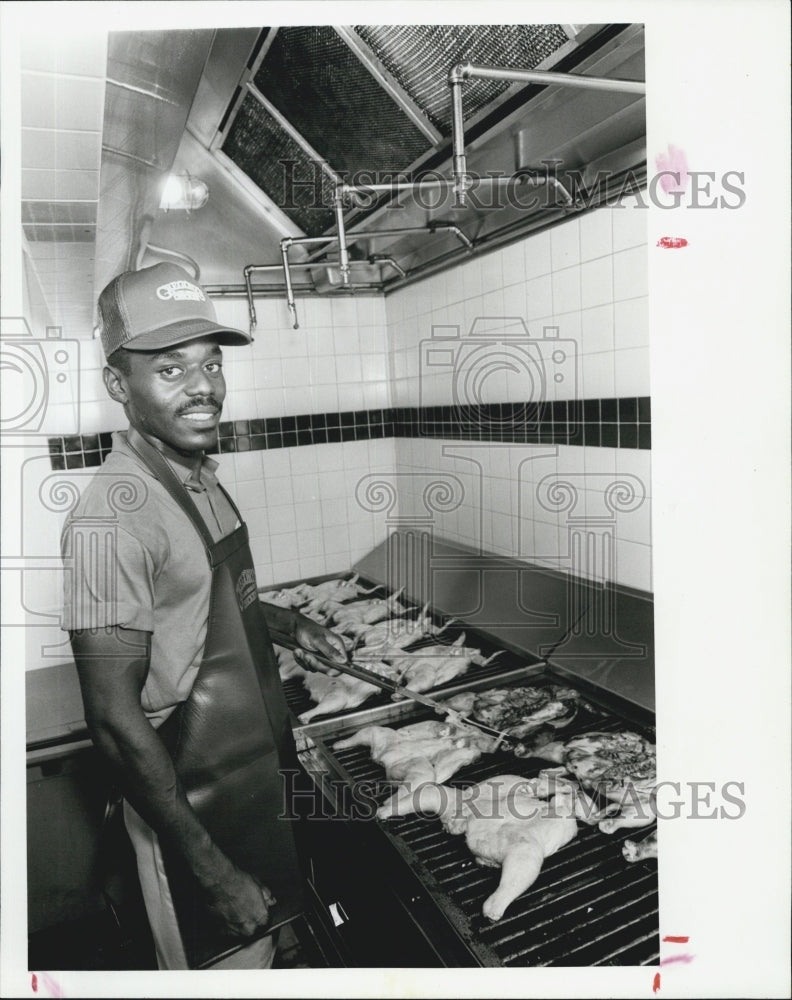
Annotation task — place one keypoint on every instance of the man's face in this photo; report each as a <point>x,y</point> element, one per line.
<point>175,395</point>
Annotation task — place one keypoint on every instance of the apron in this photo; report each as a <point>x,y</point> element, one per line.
<point>230,741</point>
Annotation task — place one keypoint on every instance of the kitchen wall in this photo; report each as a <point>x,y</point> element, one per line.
<point>338,432</point>
<point>581,288</point>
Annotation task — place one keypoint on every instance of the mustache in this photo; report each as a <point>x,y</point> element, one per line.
<point>199,403</point>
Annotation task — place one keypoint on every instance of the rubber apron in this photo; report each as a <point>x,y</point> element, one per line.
<point>231,741</point>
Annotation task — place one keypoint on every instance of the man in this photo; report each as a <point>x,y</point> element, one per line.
<point>178,675</point>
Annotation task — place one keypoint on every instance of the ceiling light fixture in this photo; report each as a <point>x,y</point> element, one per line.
<point>182,191</point>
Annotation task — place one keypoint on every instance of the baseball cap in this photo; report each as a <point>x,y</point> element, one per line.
<point>158,307</point>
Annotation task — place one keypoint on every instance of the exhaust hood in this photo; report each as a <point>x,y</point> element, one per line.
<point>274,119</point>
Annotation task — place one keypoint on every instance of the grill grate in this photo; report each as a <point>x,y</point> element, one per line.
<point>588,906</point>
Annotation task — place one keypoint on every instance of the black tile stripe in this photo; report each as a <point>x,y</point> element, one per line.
<point>608,423</point>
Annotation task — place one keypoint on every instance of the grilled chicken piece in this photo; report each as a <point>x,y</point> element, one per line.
<point>520,711</point>
<point>418,757</point>
<point>339,693</point>
<point>437,664</point>
<point>507,822</point>
<point>638,850</point>
<point>620,766</point>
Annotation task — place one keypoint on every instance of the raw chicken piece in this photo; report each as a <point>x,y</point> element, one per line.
<point>621,766</point>
<point>294,597</point>
<point>437,664</point>
<point>638,850</point>
<point>507,822</point>
<point>351,617</point>
<point>519,711</point>
<point>320,611</point>
<point>384,638</point>
<point>291,597</point>
<point>287,664</point>
<point>336,590</point>
<point>418,757</point>
<point>337,694</point>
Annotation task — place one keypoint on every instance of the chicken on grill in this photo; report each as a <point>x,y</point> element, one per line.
<point>418,757</point>
<point>339,693</point>
<point>294,597</point>
<point>639,850</point>
<point>287,664</point>
<point>353,617</point>
<point>520,711</point>
<point>389,637</point>
<point>437,664</point>
<point>620,766</point>
<point>288,597</point>
<point>511,822</point>
<point>337,590</point>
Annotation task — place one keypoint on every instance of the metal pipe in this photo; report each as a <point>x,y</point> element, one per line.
<point>343,254</point>
<point>352,189</point>
<point>459,161</point>
<point>376,258</point>
<point>467,71</point>
<point>250,268</point>
<point>289,292</point>
<point>433,227</point>
<point>303,266</point>
<point>176,255</point>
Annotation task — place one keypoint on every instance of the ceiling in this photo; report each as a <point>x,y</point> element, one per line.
<point>271,119</point>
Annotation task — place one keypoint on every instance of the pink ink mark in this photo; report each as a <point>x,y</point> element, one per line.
<point>656,983</point>
<point>673,168</point>
<point>672,243</point>
<point>51,985</point>
<point>685,959</point>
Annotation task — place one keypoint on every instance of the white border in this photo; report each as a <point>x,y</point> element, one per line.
<point>719,89</point>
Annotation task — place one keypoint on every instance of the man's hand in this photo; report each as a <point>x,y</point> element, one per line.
<point>313,637</point>
<point>242,902</point>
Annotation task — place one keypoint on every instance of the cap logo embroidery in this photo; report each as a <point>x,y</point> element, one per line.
<point>180,290</point>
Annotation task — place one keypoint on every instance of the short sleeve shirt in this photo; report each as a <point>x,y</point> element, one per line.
<point>134,559</point>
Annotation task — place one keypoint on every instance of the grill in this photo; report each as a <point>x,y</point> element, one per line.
<point>588,907</point>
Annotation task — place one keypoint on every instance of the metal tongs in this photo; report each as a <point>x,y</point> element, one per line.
<point>361,673</point>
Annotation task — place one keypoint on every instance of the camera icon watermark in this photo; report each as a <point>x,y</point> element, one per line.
<point>39,383</point>
<point>496,375</point>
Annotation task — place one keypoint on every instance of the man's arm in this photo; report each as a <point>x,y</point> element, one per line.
<point>112,664</point>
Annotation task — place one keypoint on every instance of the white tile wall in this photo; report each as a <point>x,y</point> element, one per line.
<point>587,277</point>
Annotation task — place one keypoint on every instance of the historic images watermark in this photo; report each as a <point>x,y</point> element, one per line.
<point>550,184</point>
<point>39,384</point>
<point>507,797</point>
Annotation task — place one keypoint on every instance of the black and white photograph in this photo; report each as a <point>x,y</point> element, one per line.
<point>395,500</point>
